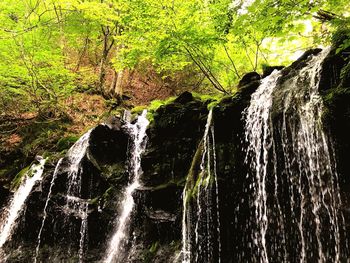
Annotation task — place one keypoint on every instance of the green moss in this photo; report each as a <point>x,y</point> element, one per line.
<point>152,108</point>
<point>212,100</point>
<point>19,177</point>
<point>341,38</point>
<point>212,104</point>
<point>332,95</point>
<point>94,201</point>
<point>224,100</point>
<point>334,100</point>
<point>138,109</point>
<point>172,182</point>
<point>207,97</point>
<point>157,103</point>
<point>108,194</point>
<point>153,249</point>
<point>193,176</point>
<point>151,252</point>
<point>150,116</point>
<point>66,142</point>
<point>113,172</point>
<point>3,173</point>
<point>345,76</point>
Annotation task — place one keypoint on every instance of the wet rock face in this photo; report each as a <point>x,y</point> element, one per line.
<point>335,87</point>
<point>108,145</point>
<point>173,139</point>
<point>269,69</point>
<point>248,78</point>
<point>61,232</point>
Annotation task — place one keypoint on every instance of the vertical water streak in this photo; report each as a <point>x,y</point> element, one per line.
<point>218,225</point>
<point>287,145</point>
<point>19,199</point>
<point>259,139</point>
<point>310,147</point>
<point>45,209</point>
<point>138,134</point>
<point>83,213</point>
<point>74,156</point>
<point>204,176</point>
<point>74,202</point>
<point>204,230</point>
<point>186,228</point>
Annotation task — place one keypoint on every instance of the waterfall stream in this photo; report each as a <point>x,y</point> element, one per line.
<point>74,203</point>
<point>45,209</point>
<point>291,155</point>
<point>199,247</point>
<point>279,197</point>
<point>137,132</point>
<point>258,137</point>
<point>33,175</point>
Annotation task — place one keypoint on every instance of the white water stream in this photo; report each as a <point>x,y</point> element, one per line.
<point>306,168</point>
<point>258,137</point>
<point>45,210</point>
<point>200,245</point>
<point>74,156</point>
<point>138,134</point>
<point>17,203</point>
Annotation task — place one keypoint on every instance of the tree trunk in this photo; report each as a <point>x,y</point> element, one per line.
<point>119,82</point>
<point>102,75</point>
<point>108,43</point>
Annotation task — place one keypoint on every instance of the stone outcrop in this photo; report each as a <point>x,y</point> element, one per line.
<point>173,138</point>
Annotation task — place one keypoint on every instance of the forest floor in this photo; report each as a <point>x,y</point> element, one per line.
<point>29,133</point>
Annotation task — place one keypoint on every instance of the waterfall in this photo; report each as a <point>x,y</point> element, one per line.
<point>17,203</point>
<point>45,209</point>
<point>74,203</point>
<point>137,132</point>
<point>75,155</point>
<point>207,218</point>
<point>84,209</point>
<point>258,137</point>
<point>288,152</point>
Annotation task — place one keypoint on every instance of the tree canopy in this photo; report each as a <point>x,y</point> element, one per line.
<point>51,48</point>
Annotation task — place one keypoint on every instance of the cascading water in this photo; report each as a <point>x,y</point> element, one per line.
<point>75,155</point>
<point>45,210</point>
<point>279,197</point>
<point>83,209</point>
<point>289,159</point>
<point>74,203</point>
<point>200,246</point>
<point>258,137</point>
<point>16,205</point>
<point>137,132</point>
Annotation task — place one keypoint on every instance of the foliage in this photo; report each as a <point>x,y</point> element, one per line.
<point>151,252</point>
<point>66,142</point>
<point>19,177</point>
<point>51,47</point>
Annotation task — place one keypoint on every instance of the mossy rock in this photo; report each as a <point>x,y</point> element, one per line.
<point>345,76</point>
<point>151,252</point>
<point>19,177</point>
<point>341,39</point>
<point>108,194</point>
<point>4,172</point>
<point>115,172</point>
<point>66,142</point>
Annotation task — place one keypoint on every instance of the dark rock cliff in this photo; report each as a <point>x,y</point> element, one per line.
<point>173,138</point>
